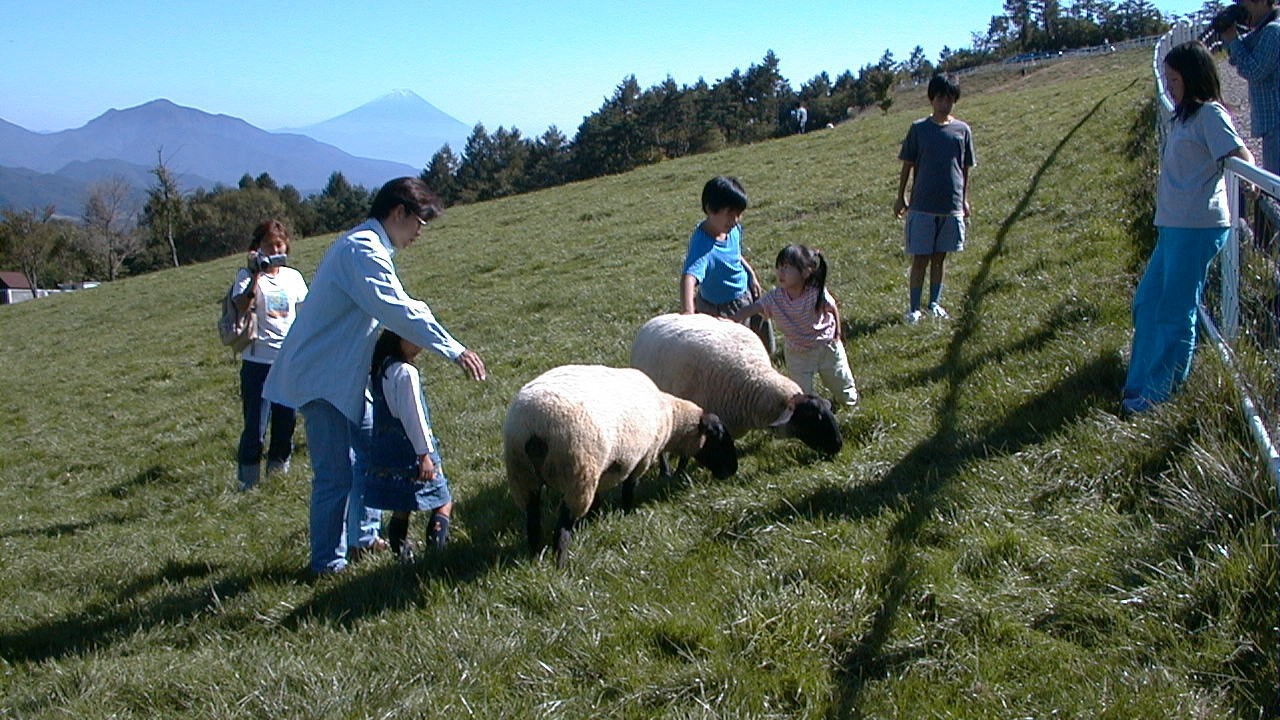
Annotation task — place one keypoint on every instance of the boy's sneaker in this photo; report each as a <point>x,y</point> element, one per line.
<point>912,317</point>
<point>277,468</point>
<point>938,311</point>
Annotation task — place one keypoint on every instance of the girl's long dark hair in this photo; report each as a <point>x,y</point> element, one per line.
<point>803,257</point>
<point>388,345</point>
<point>1200,83</point>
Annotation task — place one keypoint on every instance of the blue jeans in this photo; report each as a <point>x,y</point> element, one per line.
<point>1271,152</point>
<point>339,450</point>
<point>256,412</point>
<point>1164,313</point>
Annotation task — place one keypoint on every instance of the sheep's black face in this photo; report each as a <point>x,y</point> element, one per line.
<point>718,453</point>
<point>814,423</point>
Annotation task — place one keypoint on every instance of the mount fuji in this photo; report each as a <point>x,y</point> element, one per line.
<point>399,126</point>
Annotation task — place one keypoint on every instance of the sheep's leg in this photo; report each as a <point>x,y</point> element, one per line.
<point>564,535</point>
<point>629,494</point>
<point>664,466</point>
<point>533,520</point>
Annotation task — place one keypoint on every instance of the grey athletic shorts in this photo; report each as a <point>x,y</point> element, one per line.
<point>928,234</point>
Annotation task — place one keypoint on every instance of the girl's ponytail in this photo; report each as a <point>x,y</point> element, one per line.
<point>818,278</point>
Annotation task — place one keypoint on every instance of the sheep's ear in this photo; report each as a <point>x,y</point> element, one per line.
<point>794,400</point>
<point>784,418</point>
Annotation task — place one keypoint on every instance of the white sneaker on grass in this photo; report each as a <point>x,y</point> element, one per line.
<point>938,311</point>
<point>912,317</point>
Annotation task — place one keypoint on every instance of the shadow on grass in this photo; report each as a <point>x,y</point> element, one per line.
<point>67,529</point>
<point>921,474</point>
<point>123,613</point>
<point>361,592</point>
<point>853,329</point>
<point>350,597</point>
<point>921,481</point>
<point>155,474</point>
<point>1061,318</point>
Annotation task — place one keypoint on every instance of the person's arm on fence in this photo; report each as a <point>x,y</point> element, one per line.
<point>1243,153</point>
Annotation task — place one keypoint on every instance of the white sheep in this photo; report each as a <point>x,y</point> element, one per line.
<point>723,368</point>
<point>581,429</point>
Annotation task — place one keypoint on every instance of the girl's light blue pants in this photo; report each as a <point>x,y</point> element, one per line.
<point>1164,313</point>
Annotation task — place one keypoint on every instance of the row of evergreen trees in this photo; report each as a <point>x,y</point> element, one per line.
<point>633,127</point>
<point>637,126</point>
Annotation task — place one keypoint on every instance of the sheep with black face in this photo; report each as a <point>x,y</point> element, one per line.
<point>723,367</point>
<point>581,429</point>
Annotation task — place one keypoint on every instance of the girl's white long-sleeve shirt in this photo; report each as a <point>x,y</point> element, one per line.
<point>402,387</point>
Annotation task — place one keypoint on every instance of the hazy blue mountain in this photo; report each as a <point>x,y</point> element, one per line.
<point>89,171</point>
<point>18,145</point>
<point>200,146</point>
<point>23,189</point>
<point>399,126</point>
<point>68,188</point>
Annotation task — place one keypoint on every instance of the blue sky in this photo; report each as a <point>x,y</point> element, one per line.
<point>528,65</point>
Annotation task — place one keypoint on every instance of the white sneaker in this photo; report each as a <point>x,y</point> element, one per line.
<point>277,468</point>
<point>912,317</point>
<point>938,311</point>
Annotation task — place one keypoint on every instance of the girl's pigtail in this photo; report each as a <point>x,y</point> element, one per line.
<point>818,279</point>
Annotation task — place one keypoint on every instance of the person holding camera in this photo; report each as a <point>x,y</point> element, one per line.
<point>1256,58</point>
<point>274,292</point>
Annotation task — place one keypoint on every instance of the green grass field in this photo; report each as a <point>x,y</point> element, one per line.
<point>993,541</point>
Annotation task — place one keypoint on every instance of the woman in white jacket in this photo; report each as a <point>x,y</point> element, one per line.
<point>275,292</point>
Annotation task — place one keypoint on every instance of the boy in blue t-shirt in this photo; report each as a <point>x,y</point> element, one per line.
<point>938,152</point>
<point>716,279</point>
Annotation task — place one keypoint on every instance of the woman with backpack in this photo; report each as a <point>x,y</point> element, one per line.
<point>273,293</point>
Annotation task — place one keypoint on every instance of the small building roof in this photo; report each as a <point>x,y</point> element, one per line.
<point>14,280</point>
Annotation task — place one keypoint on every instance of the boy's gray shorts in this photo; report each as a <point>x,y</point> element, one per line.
<point>928,234</point>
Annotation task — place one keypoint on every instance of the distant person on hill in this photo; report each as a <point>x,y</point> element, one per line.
<point>405,471</point>
<point>802,118</point>
<point>323,366</point>
<point>1256,57</point>
<point>275,293</point>
<point>717,279</point>
<point>938,153</point>
<point>806,314</point>
<point>1192,223</point>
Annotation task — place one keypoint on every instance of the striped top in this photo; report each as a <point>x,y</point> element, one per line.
<point>796,319</point>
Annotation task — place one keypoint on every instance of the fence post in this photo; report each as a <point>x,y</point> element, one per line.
<point>1229,264</point>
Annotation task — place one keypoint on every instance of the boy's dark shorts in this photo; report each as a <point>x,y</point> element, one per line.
<point>928,234</point>
<point>761,326</point>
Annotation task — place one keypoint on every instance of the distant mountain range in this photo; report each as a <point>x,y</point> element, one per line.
<point>202,149</point>
<point>398,126</point>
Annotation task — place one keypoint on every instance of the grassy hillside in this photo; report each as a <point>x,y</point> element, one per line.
<point>992,542</point>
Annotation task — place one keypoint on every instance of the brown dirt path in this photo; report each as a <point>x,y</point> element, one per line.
<point>1235,91</point>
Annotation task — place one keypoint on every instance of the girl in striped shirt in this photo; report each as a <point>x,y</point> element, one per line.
<point>806,314</point>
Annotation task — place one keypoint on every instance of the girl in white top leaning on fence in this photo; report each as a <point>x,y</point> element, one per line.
<point>1192,223</point>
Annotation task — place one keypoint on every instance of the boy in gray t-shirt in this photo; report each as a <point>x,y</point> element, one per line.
<point>938,151</point>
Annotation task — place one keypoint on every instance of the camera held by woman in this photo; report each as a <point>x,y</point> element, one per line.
<point>259,262</point>
<point>1232,16</point>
